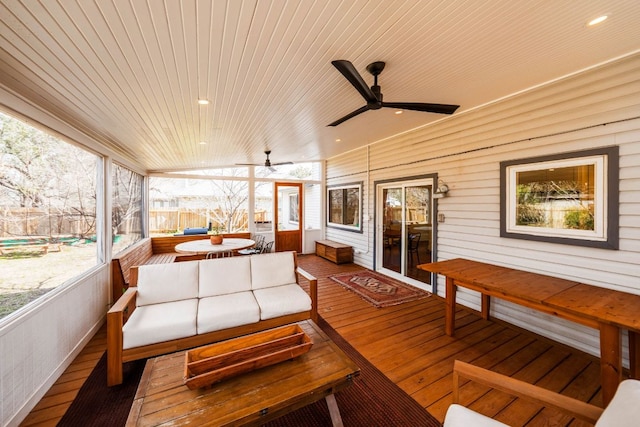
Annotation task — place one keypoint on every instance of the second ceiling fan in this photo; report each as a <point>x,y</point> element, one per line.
<point>373,95</point>
<point>267,163</point>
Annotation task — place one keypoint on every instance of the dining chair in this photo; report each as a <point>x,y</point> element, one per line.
<point>257,248</point>
<point>266,248</point>
<point>414,243</point>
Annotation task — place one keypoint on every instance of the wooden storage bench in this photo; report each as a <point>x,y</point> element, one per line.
<point>334,251</point>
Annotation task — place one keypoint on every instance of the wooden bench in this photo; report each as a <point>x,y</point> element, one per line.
<point>151,250</point>
<point>334,251</point>
<point>607,310</point>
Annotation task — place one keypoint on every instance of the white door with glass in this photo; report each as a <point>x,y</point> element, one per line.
<point>405,230</point>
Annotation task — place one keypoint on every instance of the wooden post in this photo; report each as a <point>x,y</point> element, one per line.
<point>634,355</point>
<point>485,306</point>
<point>610,361</point>
<point>450,309</point>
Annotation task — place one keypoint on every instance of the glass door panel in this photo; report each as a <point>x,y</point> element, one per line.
<point>417,231</point>
<point>392,231</point>
<point>406,229</point>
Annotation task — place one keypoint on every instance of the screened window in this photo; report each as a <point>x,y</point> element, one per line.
<point>567,198</point>
<point>194,203</point>
<point>343,207</point>
<point>48,194</point>
<point>126,214</point>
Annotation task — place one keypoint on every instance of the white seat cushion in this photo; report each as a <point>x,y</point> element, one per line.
<point>282,300</point>
<point>459,416</point>
<point>226,311</point>
<point>224,276</point>
<point>273,269</point>
<point>624,408</point>
<point>158,283</point>
<point>150,324</point>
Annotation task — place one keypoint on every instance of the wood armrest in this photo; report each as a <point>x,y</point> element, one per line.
<point>125,304</point>
<point>574,407</point>
<point>306,275</point>
<point>313,292</point>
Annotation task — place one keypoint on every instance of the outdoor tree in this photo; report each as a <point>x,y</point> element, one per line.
<point>42,176</point>
<point>127,196</point>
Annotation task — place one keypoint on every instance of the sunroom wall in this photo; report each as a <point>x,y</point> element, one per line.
<point>38,343</point>
<point>599,107</point>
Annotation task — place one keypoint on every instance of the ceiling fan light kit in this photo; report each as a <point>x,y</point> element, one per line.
<point>373,95</point>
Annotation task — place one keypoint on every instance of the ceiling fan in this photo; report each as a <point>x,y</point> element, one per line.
<point>373,95</point>
<point>267,162</point>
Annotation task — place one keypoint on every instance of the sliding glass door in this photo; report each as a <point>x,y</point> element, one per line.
<point>404,225</point>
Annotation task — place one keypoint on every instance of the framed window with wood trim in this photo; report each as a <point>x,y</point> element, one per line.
<point>569,198</point>
<point>344,204</point>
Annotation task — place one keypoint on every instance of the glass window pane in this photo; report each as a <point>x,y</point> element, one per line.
<point>559,198</point>
<point>263,207</point>
<point>48,193</point>
<point>179,203</point>
<point>343,207</point>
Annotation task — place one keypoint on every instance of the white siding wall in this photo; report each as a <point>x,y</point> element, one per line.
<point>37,347</point>
<point>596,108</point>
<point>351,168</point>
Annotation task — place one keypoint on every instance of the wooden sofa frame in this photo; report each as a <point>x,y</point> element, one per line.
<point>576,408</point>
<point>151,250</point>
<point>124,307</point>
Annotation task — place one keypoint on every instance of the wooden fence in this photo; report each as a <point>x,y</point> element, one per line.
<point>40,222</point>
<point>162,220</point>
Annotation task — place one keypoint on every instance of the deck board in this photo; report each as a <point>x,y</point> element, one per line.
<point>408,344</point>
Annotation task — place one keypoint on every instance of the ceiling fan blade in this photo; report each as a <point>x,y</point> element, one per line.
<point>281,163</point>
<point>350,73</point>
<point>420,106</point>
<point>349,116</point>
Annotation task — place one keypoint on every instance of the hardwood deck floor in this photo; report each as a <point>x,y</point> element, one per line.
<point>407,343</point>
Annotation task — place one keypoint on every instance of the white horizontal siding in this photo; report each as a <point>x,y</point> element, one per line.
<point>597,108</point>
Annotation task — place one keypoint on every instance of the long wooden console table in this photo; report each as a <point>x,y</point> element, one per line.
<point>607,310</point>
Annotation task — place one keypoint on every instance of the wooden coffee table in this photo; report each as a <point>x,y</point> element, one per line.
<point>248,399</point>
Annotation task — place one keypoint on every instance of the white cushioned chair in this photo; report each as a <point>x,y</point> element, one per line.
<point>622,411</point>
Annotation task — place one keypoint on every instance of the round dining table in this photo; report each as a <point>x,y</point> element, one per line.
<point>204,246</point>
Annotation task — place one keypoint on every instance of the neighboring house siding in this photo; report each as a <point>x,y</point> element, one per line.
<point>597,108</point>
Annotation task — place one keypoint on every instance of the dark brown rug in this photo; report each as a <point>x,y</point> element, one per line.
<point>98,405</point>
<point>379,290</point>
<point>372,400</point>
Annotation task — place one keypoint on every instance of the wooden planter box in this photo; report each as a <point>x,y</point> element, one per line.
<point>207,365</point>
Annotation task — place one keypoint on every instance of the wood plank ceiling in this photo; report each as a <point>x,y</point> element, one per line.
<point>129,72</point>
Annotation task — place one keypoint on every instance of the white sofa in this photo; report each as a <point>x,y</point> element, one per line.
<point>181,305</point>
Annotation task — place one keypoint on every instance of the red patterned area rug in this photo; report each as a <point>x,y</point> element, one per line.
<point>379,290</point>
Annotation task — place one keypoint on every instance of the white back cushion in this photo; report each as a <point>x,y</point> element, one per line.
<point>624,408</point>
<point>224,276</point>
<point>274,269</point>
<point>158,283</point>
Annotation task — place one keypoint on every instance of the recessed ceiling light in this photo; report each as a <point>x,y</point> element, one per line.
<point>203,101</point>
<point>203,142</point>
<point>338,140</point>
<point>399,112</point>
<point>597,20</point>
